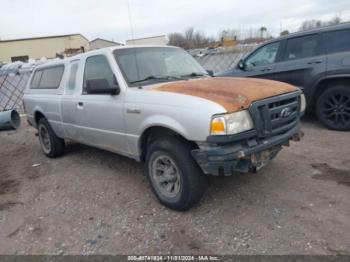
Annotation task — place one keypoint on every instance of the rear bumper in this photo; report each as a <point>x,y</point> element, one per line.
<point>244,156</point>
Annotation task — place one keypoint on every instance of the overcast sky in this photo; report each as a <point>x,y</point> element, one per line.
<point>109,18</point>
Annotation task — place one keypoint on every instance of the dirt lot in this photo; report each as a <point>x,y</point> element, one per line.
<point>94,202</point>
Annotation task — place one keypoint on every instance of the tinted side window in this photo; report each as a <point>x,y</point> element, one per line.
<point>48,78</point>
<point>97,67</point>
<point>36,79</point>
<point>338,41</point>
<point>264,56</point>
<point>301,47</point>
<point>72,75</point>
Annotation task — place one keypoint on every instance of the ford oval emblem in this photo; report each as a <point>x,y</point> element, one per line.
<point>286,112</point>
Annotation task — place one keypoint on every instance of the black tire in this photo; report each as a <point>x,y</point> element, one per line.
<point>52,146</point>
<point>191,180</point>
<point>333,108</point>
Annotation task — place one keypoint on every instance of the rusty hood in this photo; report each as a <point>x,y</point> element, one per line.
<point>230,92</point>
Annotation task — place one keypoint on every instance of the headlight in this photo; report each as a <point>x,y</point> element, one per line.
<point>230,124</point>
<point>302,103</point>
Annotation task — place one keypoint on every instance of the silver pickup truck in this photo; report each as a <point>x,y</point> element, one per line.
<point>159,106</point>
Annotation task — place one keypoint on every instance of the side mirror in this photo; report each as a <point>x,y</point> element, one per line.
<point>210,72</point>
<point>241,64</point>
<point>101,86</point>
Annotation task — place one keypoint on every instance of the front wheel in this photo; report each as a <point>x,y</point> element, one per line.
<point>333,108</point>
<point>175,178</point>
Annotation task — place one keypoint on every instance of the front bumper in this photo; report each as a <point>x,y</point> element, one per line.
<point>245,156</point>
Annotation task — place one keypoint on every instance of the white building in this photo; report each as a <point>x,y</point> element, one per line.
<point>153,40</point>
<point>101,43</point>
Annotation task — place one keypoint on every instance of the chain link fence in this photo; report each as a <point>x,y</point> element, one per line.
<point>224,61</point>
<point>12,84</point>
<point>220,62</point>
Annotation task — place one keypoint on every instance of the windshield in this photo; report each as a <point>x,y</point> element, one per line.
<point>146,65</point>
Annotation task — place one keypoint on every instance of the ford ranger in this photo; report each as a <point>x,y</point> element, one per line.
<point>159,106</point>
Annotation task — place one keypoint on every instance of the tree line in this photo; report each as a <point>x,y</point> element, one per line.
<point>192,38</point>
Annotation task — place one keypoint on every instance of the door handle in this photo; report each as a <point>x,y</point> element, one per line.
<point>266,69</point>
<point>314,62</point>
<point>80,105</point>
<point>133,111</point>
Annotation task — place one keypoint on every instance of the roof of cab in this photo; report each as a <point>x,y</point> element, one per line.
<point>67,60</point>
<point>323,29</point>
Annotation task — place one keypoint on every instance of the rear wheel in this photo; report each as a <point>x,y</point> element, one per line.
<point>175,178</point>
<point>333,108</point>
<point>51,145</point>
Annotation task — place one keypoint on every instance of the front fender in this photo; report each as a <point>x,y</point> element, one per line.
<point>166,122</point>
<point>134,140</point>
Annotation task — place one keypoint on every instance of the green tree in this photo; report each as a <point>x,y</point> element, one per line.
<point>285,32</point>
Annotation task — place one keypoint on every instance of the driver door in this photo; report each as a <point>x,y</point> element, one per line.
<point>262,62</point>
<point>100,116</point>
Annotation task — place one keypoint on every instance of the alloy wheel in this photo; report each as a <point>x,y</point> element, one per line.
<point>336,109</point>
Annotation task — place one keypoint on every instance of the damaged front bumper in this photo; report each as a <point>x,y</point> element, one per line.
<point>248,155</point>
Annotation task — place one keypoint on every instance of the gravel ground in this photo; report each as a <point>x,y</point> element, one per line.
<point>94,202</point>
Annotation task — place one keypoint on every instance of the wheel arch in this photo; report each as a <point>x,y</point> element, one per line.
<point>156,131</point>
<point>326,83</point>
<point>38,114</point>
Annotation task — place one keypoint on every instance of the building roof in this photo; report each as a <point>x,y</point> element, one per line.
<point>41,37</point>
<point>146,37</point>
<point>112,42</point>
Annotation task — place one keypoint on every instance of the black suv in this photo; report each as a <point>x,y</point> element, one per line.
<point>317,61</point>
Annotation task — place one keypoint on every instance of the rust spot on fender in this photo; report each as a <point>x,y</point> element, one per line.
<point>232,93</point>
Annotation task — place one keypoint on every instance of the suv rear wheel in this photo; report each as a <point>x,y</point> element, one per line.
<point>175,178</point>
<point>333,108</point>
<point>51,145</point>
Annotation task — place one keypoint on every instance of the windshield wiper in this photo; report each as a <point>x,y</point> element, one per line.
<point>152,77</point>
<point>195,74</point>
